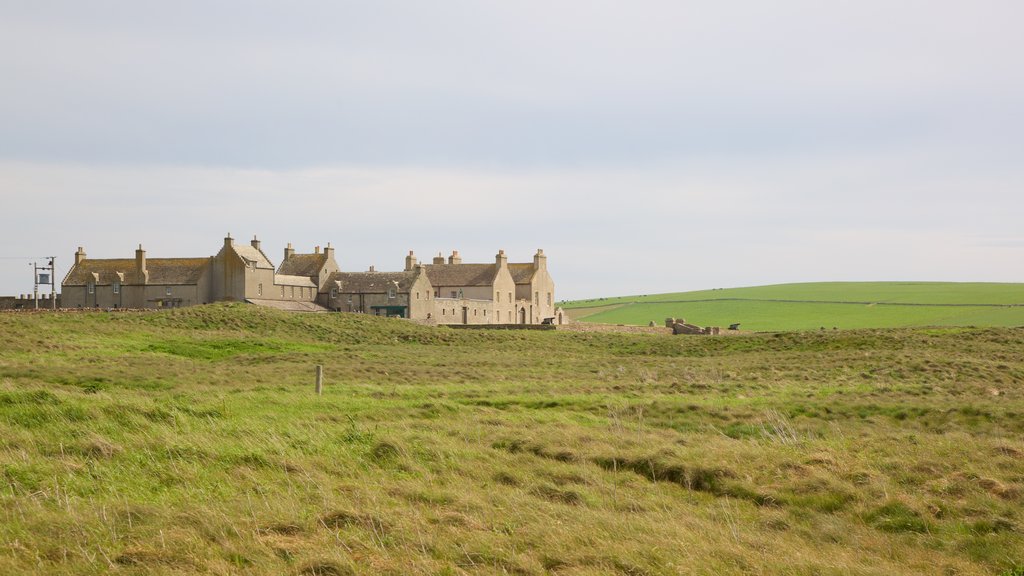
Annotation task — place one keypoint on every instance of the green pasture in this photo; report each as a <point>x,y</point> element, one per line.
<point>812,306</point>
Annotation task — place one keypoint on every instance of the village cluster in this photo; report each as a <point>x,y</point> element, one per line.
<point>445,291</point>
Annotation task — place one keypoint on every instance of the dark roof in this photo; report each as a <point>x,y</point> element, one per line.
<point>371,282</point>
<point>442,275</point>
<point>161,271</point>
<point>521,273</point>
<point>303,264</point>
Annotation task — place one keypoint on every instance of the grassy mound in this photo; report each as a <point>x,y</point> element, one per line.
<point>191,441</point>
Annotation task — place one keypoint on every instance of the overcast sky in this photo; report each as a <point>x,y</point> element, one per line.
<point>646,146</point>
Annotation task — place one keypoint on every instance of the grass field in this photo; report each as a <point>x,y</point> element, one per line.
<point>814,305</point>
<point>190,441</point>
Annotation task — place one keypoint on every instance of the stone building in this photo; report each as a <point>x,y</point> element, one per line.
<point>139,283</point>
<point>451,292</point>
<point>444,291</point>
<point>238,272</point>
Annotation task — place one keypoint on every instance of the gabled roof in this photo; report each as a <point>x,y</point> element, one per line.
<point>303,264</point>
<point>161,271</point>
<point>250,254</point>
<point>521,273</point>
<point>371,282</point>
<point>443,275</point>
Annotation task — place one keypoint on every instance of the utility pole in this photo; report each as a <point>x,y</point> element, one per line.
<point>35,288</point>
<point>47,277</point>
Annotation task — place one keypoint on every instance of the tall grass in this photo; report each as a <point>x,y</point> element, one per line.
<point>191,441</point>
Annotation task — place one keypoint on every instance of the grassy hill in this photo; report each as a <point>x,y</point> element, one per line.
<point>190,441</point>
<point>813,305</point>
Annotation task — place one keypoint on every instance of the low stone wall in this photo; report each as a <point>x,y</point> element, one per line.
<point>26,302</point>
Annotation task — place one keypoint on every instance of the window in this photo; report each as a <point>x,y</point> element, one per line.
<point>549,298</point>
<point>437,293</point>
<point>454,294</point>
<point>334,293</point>
<point>167,291</point>
<point>117,287</point>
<point>536,298</point>
<point>417,295</point>
<point>259,289</point>
<point>497,296</point>
<point>444,311</point>
<point>509,296</point>
<point>91,288</point>
<point>474,311</point>
<point>301,292</point>
<point>391,293</point>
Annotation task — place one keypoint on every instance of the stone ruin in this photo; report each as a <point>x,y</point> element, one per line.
<point>679,326</point>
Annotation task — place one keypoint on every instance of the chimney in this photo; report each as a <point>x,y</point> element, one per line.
<point>410,262</point>
<point>540,261</point>
<point>289,251</point>
<point>316,250</point>
<point>501,260</point>
<point>455,258</point>
<point>254,242</point>
<point>228,243</point>
<point>439,259</point>
<point>79,256</point>
<point>372,269</point>
<point>329,252</point>
<point>140,263</point>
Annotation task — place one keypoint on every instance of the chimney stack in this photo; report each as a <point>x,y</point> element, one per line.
<point>540,261</point>
<point>501,260</point>
<point>410,262</point>
<point>79,256</point>
<point>329,251</point>
<point>372,269</point>
<point>316,250</point>
<point>439,259</point>
<point>289,251</point>
<point>455,258</point>
<point>254,242</point>
<point>228,242</point>
<point>140,263</point>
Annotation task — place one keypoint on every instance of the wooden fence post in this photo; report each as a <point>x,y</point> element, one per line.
<point>319,379</point>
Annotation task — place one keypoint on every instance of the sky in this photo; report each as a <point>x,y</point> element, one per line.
<point>646,146</point>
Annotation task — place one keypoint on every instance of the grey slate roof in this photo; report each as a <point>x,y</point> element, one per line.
<point>161,271</point>
<point>521,273</point>
<point>444,275</point>
<point>371,282</point>
<point>303,264</point>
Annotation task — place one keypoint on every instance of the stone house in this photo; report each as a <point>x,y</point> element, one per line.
<point>451,292</point>
<point>139,283</point>
<point>238,272</point>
